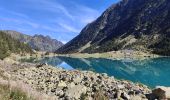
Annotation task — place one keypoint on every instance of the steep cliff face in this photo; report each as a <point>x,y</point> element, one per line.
<point>38,42</point>
<point>130,24</point>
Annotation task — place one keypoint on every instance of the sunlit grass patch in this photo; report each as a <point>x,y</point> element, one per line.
<point>7,93</point>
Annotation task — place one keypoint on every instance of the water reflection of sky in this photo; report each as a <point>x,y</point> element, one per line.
<point>65,66</point>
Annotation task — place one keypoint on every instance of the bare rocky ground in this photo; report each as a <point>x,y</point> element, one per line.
<point>62,84</point>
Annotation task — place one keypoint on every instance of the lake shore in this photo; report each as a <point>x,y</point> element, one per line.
<point>61,84</point>
<point>114,55</point>
<point>117,55</point>
<point>57,83</point>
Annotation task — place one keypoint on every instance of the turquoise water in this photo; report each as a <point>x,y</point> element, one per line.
<point>151,72</point>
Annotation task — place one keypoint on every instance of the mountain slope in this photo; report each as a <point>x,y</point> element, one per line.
<point>40,42</point>
<point>9,45</point>
<point>130,24</point>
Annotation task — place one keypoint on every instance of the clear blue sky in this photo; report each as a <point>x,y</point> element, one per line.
<point>60,19</point>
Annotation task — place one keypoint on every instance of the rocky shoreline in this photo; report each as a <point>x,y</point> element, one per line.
<point>61,84</point>
<point>74,85</point>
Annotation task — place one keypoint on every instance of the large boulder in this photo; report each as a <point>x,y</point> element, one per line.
<point>62,84</point>
<point>161,92</point>
<point>76,92</point>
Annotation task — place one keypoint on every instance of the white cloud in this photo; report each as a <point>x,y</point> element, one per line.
<point>63,41</point>
<point>61,19</point>
<point>51,7</point>
<point>50,28</point>
<point>56,7</point>
<point>76,12</point>
<point>69,28</point>
<point>55,29</point>
<point>86,14</point>
<point>86,9</point>
<point>18,14</point>
<point>21,21</point>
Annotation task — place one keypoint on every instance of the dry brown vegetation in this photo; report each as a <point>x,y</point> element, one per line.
<point>100,96</point>
<point>7,93</point>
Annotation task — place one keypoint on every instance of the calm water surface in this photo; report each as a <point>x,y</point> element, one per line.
<point>151,72</point>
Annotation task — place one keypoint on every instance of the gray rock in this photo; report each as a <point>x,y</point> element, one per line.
<point>161,92</point>
<point>62,84</point>
<point>59,92</point>
<point>71,85</point>
<point>76,91</point>
<point>125,96</point>
<point>120,86</point>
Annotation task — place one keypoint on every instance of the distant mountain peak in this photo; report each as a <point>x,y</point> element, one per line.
<point>38,41</point>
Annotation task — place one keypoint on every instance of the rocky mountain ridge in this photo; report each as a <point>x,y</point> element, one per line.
<point>130,24</point>
<point>37,42</point>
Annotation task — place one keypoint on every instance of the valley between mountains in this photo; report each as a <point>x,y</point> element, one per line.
<point>113,58</point>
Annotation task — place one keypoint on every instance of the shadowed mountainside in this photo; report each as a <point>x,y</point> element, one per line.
<point>130,24</point>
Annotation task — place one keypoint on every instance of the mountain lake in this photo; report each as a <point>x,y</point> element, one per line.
<point>151,72</point>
